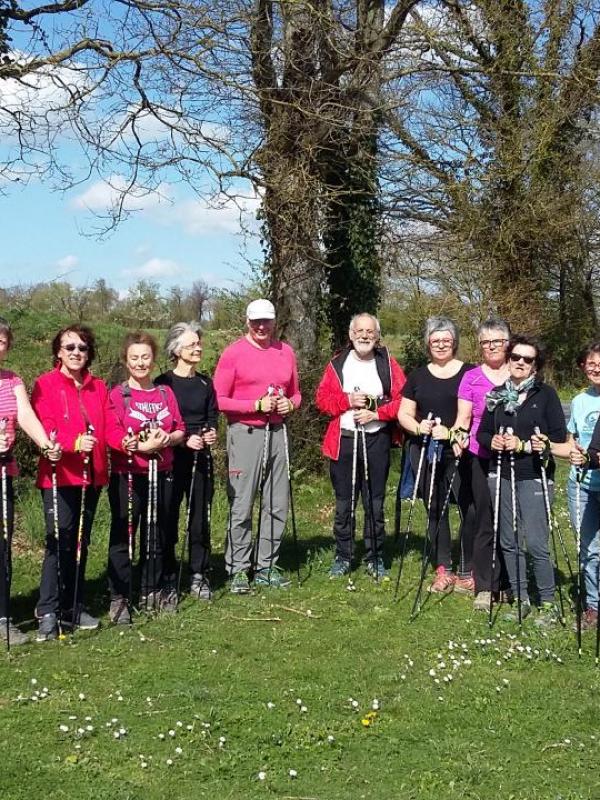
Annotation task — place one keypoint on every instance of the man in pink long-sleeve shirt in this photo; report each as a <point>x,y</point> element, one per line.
<point>256,381</point>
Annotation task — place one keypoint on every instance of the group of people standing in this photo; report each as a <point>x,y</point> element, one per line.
<point>149,440</point>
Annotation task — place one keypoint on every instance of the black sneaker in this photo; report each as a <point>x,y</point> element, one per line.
<point>83,620</point>
<point>120,613</point>
<point>16,636</point>
<point>48,628</point>
<point>200,587</point>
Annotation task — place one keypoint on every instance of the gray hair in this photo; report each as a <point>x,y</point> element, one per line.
<point>494,324</point>
<point>175,334</point>
<point>376,324</point>
<point>435,324</point>
<point>6,330</point>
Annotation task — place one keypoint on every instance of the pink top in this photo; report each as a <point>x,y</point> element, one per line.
<point>473,387</point>
<point>135,409</point>
<point>8,411</point>
<point>245,372</point>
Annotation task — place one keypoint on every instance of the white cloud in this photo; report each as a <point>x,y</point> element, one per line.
<point>67,262</point>
<point>225,216</point>
<point>157,268</point>
<point>102,196</point>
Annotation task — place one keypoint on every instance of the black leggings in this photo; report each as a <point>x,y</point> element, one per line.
<point>151,546</point>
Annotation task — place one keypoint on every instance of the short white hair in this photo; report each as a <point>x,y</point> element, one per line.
<point>176,334</point>
<point>376,324</point>
<point>439,324</point>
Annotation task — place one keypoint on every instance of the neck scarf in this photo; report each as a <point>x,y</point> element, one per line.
<point>508,395</point>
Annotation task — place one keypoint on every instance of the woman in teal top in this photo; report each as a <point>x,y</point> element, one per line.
<point>585,410</point>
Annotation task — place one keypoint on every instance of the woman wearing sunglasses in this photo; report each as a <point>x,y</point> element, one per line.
<point>71,405</point>
<point>531,416</point>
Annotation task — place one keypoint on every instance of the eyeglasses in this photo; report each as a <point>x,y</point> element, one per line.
<point>488,343</point>
<point>593,366</point>
<point>441,344</point>
<point>193,346</point>
<point>514,357</point>
<point>70,348</point>
<point>365,333</point>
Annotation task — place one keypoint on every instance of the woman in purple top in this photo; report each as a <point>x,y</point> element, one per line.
<point>493,336</point>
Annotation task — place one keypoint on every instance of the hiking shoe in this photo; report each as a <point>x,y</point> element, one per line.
<point>240,583</point>
<point>548,615</point>
<point>464,585</point>
<point>83,620</point>
<point>339,568</point>
<point>119,613</point>
<point>376,569</point>
<point>443,582</point>
<point>48,628</point>
<point>168,600</point>
<point>513,614</point>
<point>200,587</point>
<point>589,621</point>
<point>274,577</point>
<point>482,601</point>
<point>16,636</point>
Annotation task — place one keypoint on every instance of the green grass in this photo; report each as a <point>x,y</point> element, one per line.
<point>512,723</point>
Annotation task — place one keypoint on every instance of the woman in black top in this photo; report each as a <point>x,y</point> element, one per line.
<point>198,405</point>
<point>433,389</point>
<point>523,405</point>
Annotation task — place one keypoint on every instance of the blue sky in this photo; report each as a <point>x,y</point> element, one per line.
<point>47,235</point>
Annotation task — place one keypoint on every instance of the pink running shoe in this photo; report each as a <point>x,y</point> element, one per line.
<point>465,585</point>
<point>443,582</point>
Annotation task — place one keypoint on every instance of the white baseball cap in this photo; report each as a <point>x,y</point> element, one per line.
<point>260,309</point>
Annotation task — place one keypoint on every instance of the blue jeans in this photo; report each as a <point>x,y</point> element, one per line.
<point>590,537</point>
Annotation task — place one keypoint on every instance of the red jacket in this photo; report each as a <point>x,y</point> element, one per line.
<point>62,407</point>
<point>333,401</point>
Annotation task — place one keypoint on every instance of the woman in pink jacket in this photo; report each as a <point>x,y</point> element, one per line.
<point>71,405</point>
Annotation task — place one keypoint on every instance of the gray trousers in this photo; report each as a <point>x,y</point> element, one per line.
<point>532,526</point>
<point>245,448</point>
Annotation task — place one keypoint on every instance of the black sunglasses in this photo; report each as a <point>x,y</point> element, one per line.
<point>517,357</point>
<point>83,348</point>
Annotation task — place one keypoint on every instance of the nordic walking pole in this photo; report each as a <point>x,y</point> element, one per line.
<point>76,611</point>
<point>292,510</point>
<point>5,534</point>
<point>188,512</point>
<point>496,526</point>
<point>579,608</point>
<point>513,501</point>
<point>351,587</point>
<point>425,557</point>
<point>578,544</point>
<point>52,438</point>
<point>546,493</point>
<point>263,475</point>
<point>130,520</point>
<point>413,499</point>
<point>597,616</point>
<point>363,441</point>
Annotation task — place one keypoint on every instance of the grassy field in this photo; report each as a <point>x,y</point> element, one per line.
<point>312,693</point>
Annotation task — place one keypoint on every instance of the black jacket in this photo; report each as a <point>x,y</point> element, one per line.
<point>541,408</point>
